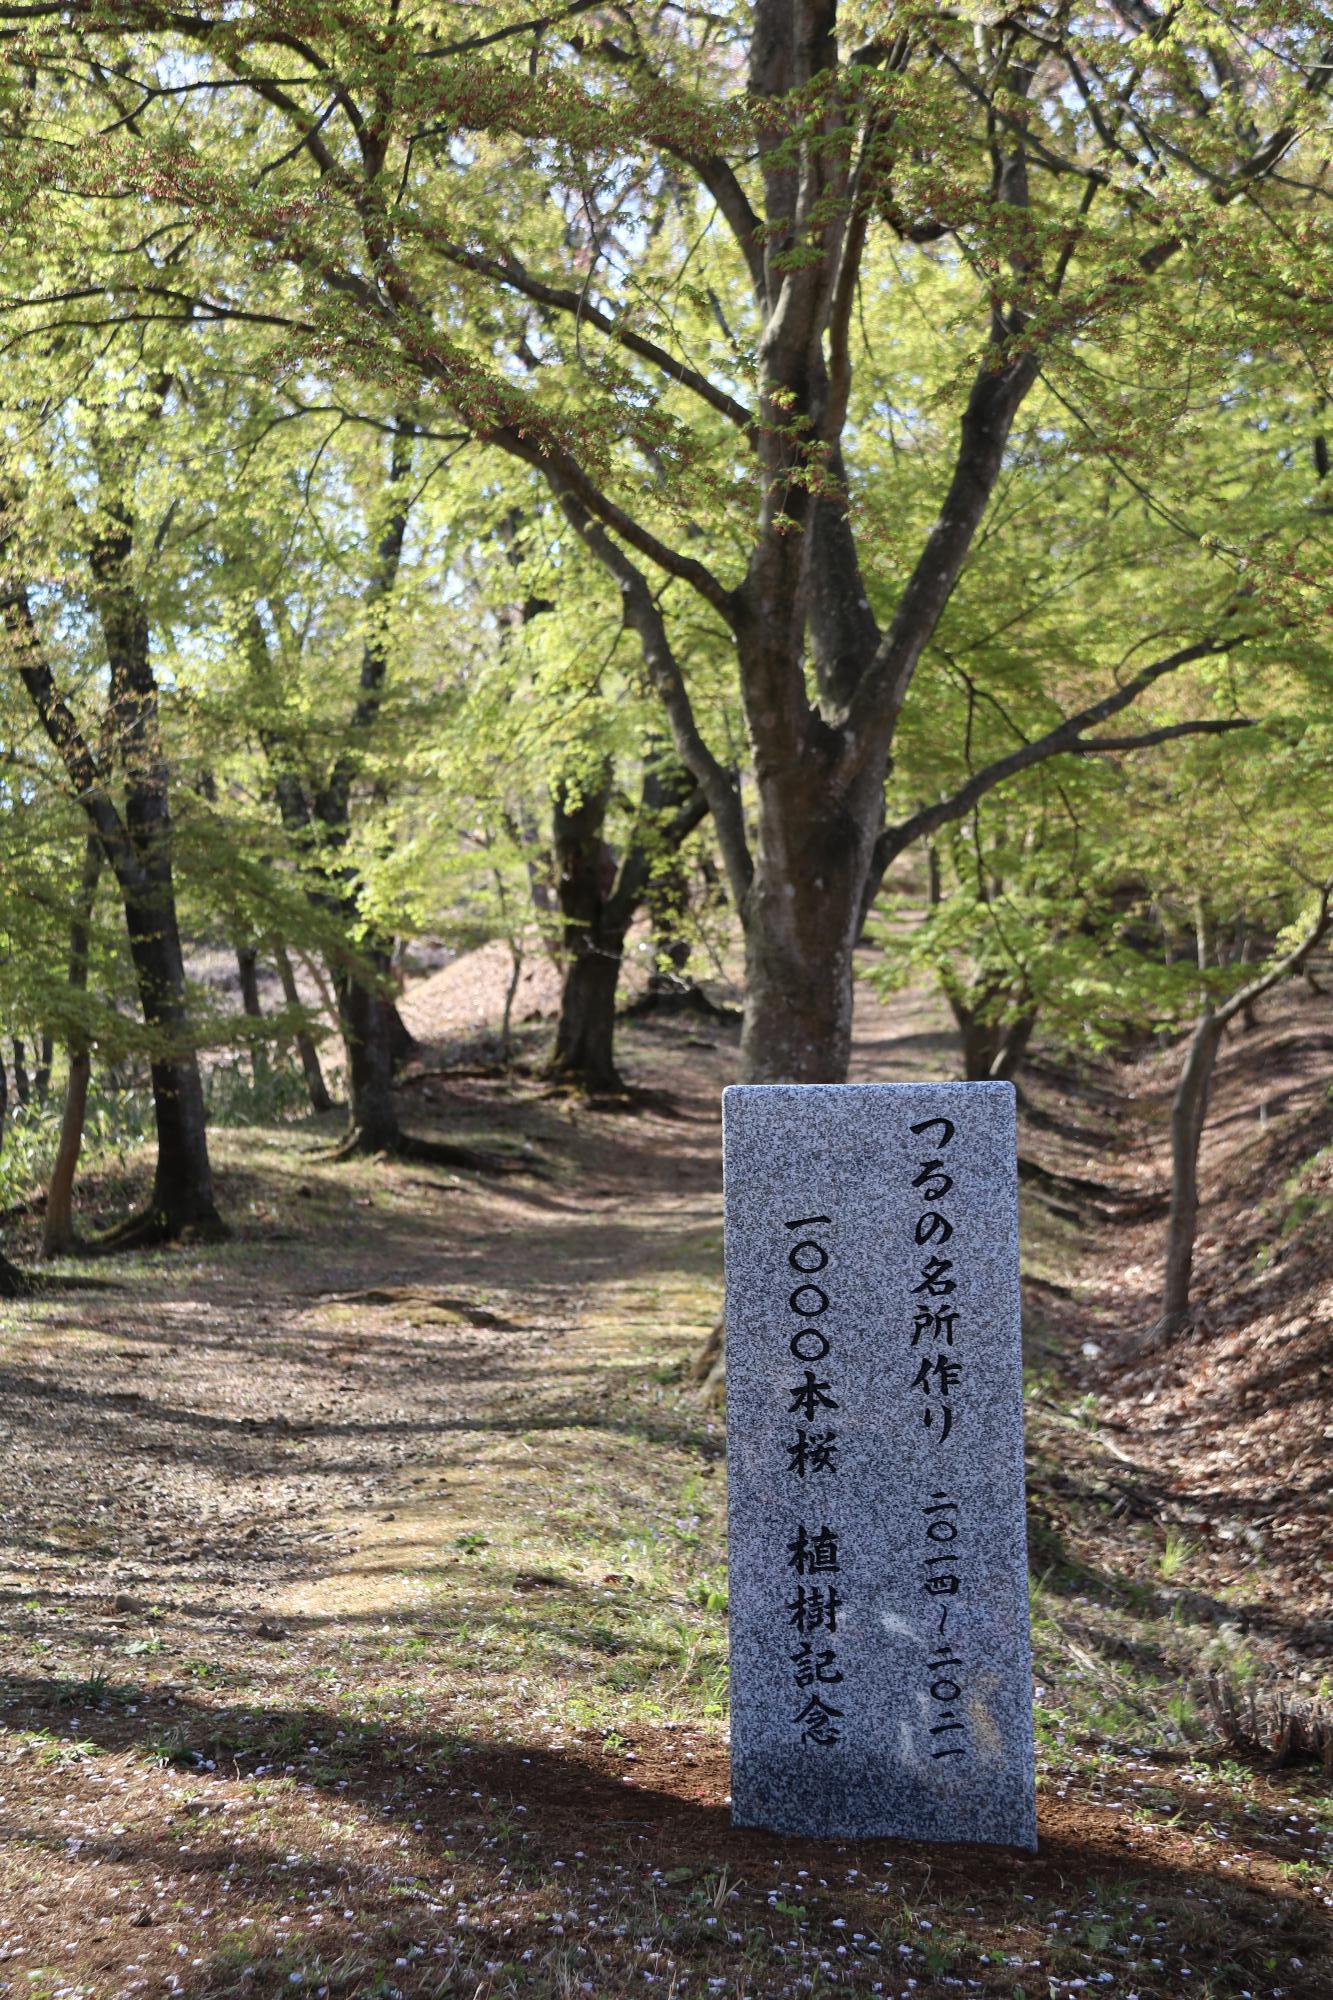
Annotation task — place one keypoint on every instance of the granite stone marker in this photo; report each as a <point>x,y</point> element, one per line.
<point>881,1678</point>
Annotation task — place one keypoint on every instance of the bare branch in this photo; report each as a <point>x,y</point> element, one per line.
<point>57,719</point>
<point>1320,924</point>
<point>309,135</point>
<point>562,299</point>
<point>566,476</point>
<point>1220,726</point>
<point>1066,738</point>
<point>533,26</point>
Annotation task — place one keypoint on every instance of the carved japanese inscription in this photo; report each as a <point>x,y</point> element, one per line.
<point>880,1660</point>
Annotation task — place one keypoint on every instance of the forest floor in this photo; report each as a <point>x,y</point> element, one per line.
<point>363,1598</point>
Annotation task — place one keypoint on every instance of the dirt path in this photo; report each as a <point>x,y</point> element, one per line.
<point>365,1612</point>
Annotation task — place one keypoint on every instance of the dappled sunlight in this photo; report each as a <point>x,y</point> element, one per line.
<point>381,1570</point>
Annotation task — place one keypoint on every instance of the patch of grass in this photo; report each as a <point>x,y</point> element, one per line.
<point>172,1746</point>
<point>207,1673</point>
<point>1175,1556</point>
<point>49,1748</point>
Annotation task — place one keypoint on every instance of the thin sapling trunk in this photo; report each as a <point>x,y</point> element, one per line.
<point>315,1085</point>
<point>1189,1110</point>
<point>58,1223</point>
<point>247,967</point>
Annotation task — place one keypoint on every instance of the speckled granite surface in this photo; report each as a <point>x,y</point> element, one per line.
<point>881,1679</point>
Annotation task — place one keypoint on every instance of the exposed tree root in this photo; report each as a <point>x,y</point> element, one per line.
<point>638,1098</point>
<point>460,1071</point>
<point>446,1153</point>
<point>359,1144</point>
<point>1276,1722</point>
<point>154,1226</point>
<point>1103,1202</point>
<point>435,1153</point>
<point>1167,1328</point>
<point>607,1084</point>
<point>626,1098</point>
<point>708,1369</point>
<point>685,999</point>
<point>13,1282</point>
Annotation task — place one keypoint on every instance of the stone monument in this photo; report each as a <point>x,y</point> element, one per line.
<point>881,1678</point>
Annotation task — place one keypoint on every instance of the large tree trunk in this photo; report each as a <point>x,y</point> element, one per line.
<point>798,989</point>
<point>802,919</point>
<point>183,1182</point>
<point>305,1047</point>
<point>58,1223</point>
<point>670,988</point>
<point>594,942</point>
<point>1189,1109</point>
<point>367,1030</point>
<point>993,1050</point>
<point>667,896</point>
<point>1013,1049</point>
<point>978,1040</point>
<point>598,901</point>
<point>585,1034</point>
<point>138,848</point>
<point>374,1033</point>
<point>402,1042</point>
<point>667,981</point>
<point>982,1043</point>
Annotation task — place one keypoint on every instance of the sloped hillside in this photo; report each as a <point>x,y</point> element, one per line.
<point>1214,1445</point>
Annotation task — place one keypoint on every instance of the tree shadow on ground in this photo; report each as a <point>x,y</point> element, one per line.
<point>1068,1575</point>
<point>458,1812</point>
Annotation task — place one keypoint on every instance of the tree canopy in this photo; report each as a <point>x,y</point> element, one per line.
<point>470,471</point>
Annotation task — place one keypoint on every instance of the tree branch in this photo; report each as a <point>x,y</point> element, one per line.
<point>1067,737</point>
<point>1217,727</point>
<point>991,407</point>
<point>68,740</point>
<point>308,135</point>
<point>533,26</point>
<point>566,476</point>
<point>718,176</point>
<point>642,615</point>
<point>1005,374</point>
<point>1320,924</point>
<point>733,206</point>
<point>333,799</point>
<point>509,272</point>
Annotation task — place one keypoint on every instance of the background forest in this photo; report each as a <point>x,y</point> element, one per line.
<point>553,561</point>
